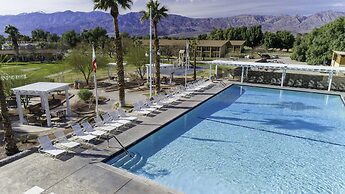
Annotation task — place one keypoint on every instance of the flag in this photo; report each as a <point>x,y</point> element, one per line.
<point>94,63</point>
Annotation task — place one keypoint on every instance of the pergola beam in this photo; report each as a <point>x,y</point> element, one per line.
<point>20,109</point>
<point>284,67</point>
<point>330,80</point>
<point>242,74</point>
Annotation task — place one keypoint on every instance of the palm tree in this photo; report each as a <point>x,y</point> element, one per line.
<point>114,5</point>
<point>10,142</point>
<point>13,33</point>
<point>194,45</point>
<point>158,13</point>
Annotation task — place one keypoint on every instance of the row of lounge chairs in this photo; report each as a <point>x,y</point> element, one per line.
<point>158,102</point>
<point>85,133</point>
<point>112,121</point>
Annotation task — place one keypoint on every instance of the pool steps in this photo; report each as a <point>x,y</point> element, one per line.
<point>127,162</point>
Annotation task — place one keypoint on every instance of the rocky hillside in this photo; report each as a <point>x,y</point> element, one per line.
<point>174,25</point>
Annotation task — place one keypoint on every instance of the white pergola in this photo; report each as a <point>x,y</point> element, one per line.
<point>278,66</point>
<point>42,89</point>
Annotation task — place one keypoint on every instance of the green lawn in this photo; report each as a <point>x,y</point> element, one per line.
<point>41,72</point>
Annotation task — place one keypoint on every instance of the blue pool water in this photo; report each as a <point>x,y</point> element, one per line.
<point>249,140</point>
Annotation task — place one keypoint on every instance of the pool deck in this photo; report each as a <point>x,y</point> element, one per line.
<point>84,172</point>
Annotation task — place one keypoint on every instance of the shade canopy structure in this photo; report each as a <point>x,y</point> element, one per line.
<point>282,67</point>
<point>41,89</point>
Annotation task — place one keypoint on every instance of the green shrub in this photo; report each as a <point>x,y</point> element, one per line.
<point>85,94</point>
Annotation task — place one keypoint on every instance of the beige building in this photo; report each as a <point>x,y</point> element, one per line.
<point>205,48</point>
<point>338,59</point>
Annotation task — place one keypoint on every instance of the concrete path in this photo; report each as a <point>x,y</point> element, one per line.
<point>83,171</point>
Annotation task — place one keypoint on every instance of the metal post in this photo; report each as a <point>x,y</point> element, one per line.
<point>283,78</point>
<point>68,109</point>
<point>96,94</point>
<point>210,71</point>
<point>20,109</point>
<point>147,74</point>
<point>46,105</point>
<point>150,52</point>
<point>330,80</point>
<point>242,74</point>
<point>216,71</point>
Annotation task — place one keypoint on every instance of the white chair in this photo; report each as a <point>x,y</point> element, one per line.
<point>116,118</point>
<point>92,131</point>
<point>78,132</point>
<point>139,111</point>
<point>34,190</point>
<point>47,147</point>
<point>150,104</point>
<point>63,141</point>
<point>124,116</point>
<point>103,123</point>
<point>109,119</point>
<point>144,106</point>
<point>107,129</point>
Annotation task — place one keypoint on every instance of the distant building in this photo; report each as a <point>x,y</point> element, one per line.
<point>35,54</point>
<point>21,45</point>
<point>338,58</point>
<point>205,48</point>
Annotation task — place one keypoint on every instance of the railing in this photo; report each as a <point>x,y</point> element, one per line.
<point>123,147</point>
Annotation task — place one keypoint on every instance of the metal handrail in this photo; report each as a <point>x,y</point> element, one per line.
<point>123,147</point>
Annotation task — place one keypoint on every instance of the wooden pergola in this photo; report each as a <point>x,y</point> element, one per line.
<point>41,89</point>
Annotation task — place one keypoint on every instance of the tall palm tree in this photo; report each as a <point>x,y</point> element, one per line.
<point>10,142</point>
<point>194,45</point>
<point>14,34</point>
<point>113,6</point>
<point>158,13</point>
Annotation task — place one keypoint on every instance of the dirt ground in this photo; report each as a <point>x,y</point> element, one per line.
<point>21,146</point>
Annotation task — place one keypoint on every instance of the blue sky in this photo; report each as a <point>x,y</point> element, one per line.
<point>191,8</point>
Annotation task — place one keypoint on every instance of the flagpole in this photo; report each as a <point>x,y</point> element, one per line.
<point>94,65</point>
<point>185,67</point>
<point>150,68</point>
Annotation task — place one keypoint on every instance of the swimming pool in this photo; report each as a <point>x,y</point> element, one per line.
<point>248,140</point>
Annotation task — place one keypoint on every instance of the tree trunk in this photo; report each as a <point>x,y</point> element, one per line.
<point>119,57</point>
<point>16,47</point>
<point>194,53</point>
<point>10,142</point>
<point>157,58</point>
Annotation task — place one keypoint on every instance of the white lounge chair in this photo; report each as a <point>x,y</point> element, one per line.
<point>150,104</point>
<point>63,141</point>
<point>139,111</point>
<point>109,120</point>
<point>78,132</point>
<point>101,123</point>
<point>34,190</point>
<point>92,131</point>
<point>47,147</point>
<point>107,129</point>
<point>116,118</point>
<point>144,106</point>
<point>124,116</point>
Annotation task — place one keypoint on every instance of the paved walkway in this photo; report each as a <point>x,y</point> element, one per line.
<point>84,172</point>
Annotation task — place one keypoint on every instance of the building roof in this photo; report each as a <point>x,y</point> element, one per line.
<point>340,52</point>
<point>26,51</point>
<point>237,42</point>
<point>40,87</point>
<point>203,43</point>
